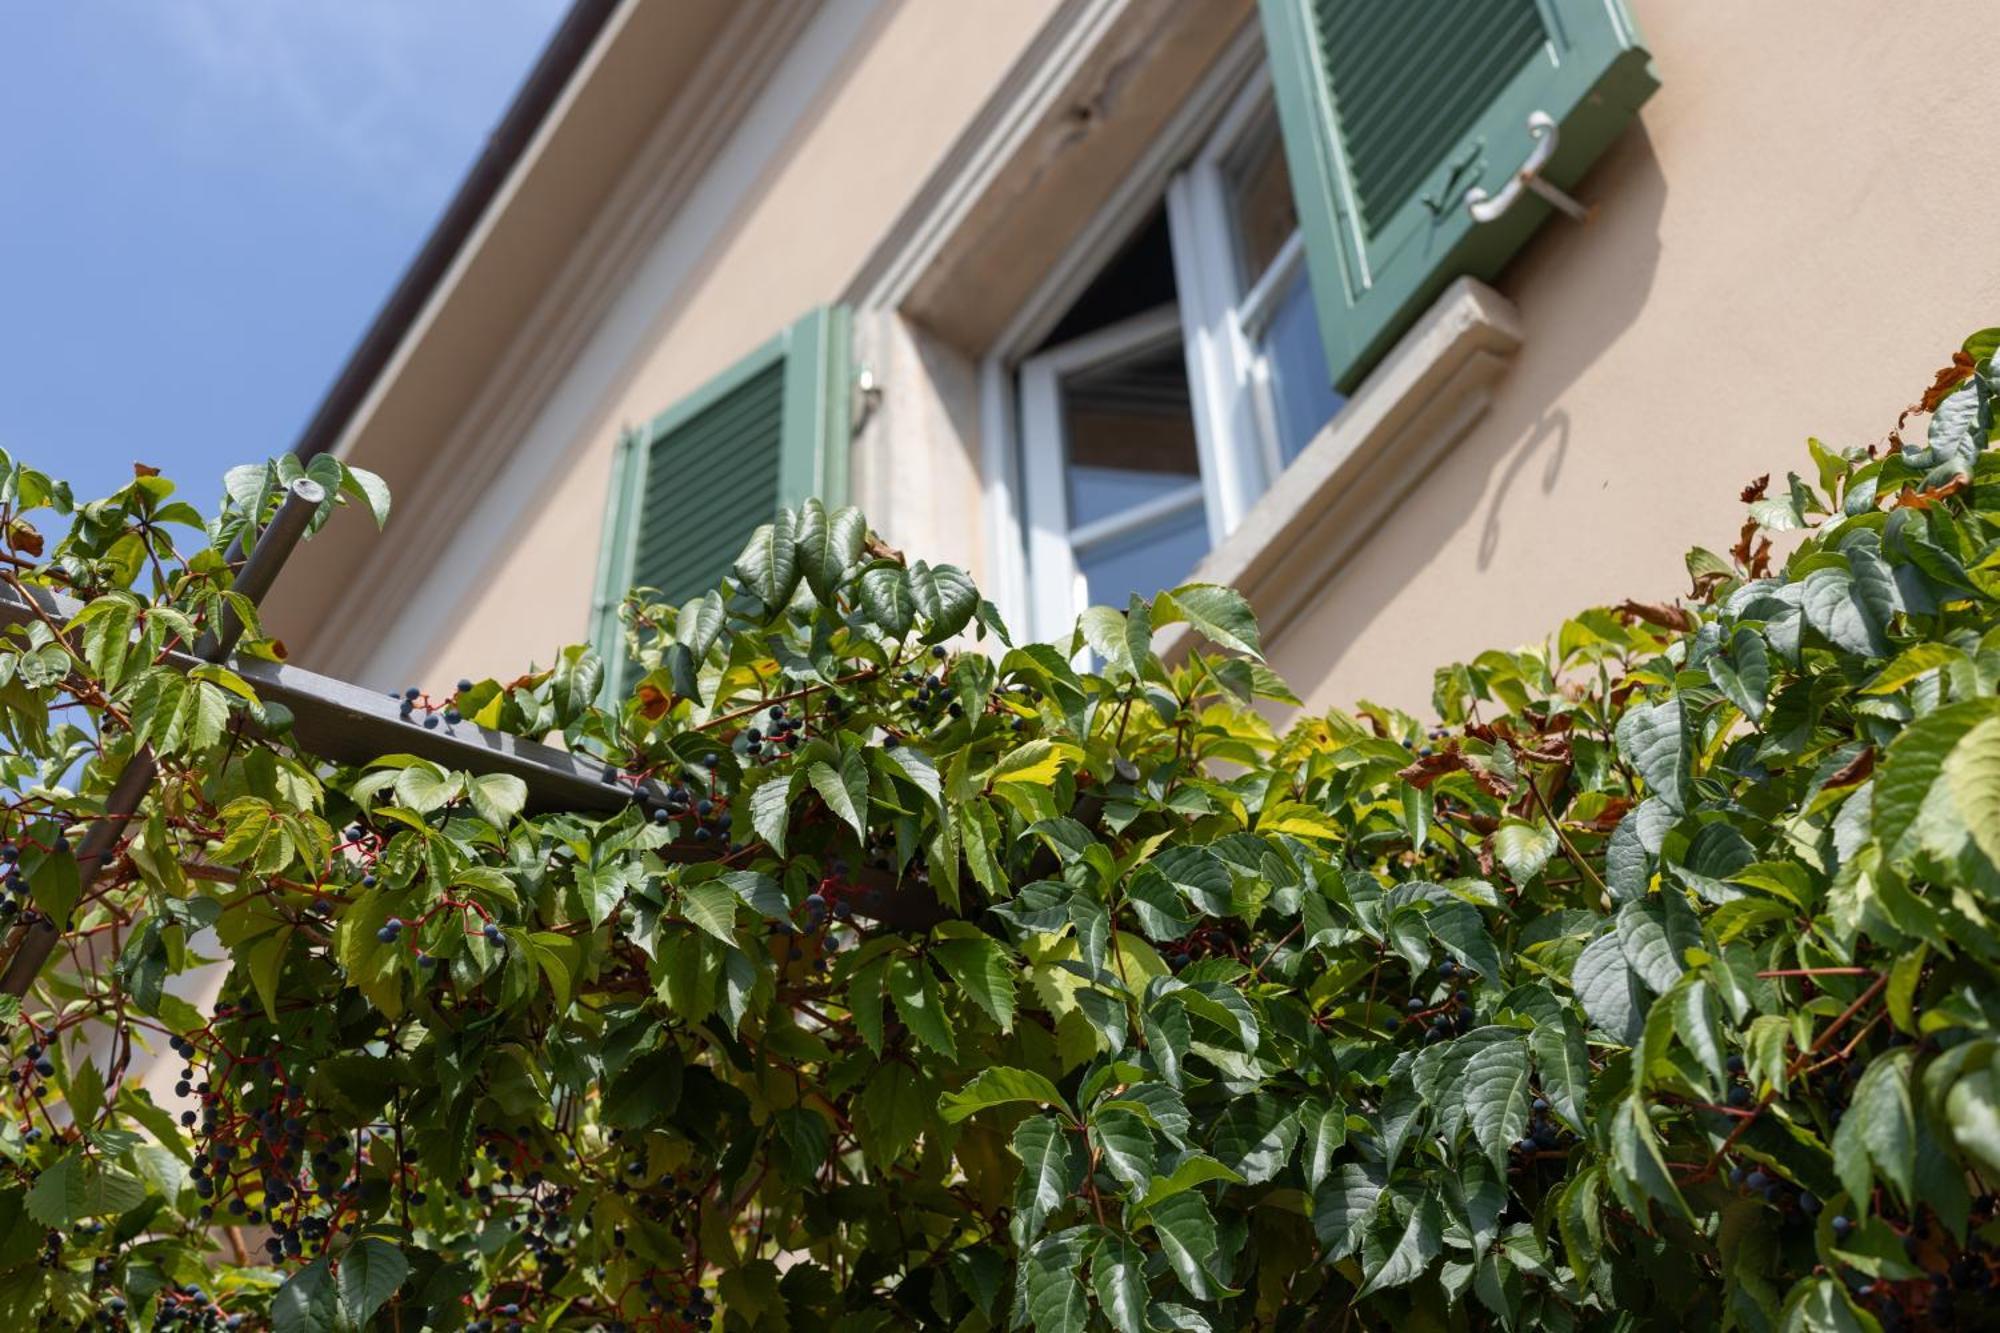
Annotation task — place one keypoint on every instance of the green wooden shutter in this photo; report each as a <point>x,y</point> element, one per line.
<point>1393,109</point>
<point>689,487</point>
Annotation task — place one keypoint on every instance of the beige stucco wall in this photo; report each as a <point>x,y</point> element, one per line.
<point>1791,243</point>
<point>1786,246</point>
<point>915,75</point>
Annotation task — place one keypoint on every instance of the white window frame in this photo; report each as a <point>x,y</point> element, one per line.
<point>1218,322</point>
<point>1057,589</point>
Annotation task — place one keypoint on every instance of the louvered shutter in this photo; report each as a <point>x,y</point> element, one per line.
<point>689,487</point>
<point>1393,109</point>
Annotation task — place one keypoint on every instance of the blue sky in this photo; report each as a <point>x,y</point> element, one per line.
<point>204,202</point>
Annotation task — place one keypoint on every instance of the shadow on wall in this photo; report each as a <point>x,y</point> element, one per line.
<point>1579,287</point>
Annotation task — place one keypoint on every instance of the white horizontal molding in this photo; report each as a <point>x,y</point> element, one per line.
<point>1416,405</point>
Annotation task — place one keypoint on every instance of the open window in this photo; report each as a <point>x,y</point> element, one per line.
<point>1304,228</point>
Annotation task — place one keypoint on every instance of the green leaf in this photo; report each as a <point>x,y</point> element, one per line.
<point>1524,848</point>
<point>370,1272</point>
<point>1913,663</point>
<point>771,808</point>
<point>1878,1130</point>
<point>1564,1062</point>
<point>985,971</point>
<point>1255,1136</point>
<point>1822,1305</point>
<point>1496,1097</point>
<point>497,798</point>
<point>1421,1242</point>
<point>829,545</point>
<point>1052,1271</point>
<point>1655,742</point>
<point>1459,927</point>
<point>1610,991</point>
<point>1191,1170</point>
<point>1914,762</point>
<point>769,565</point>
<point>59,1195</point>
<point>885,595</point>
<point>1219,614</point>
<point>1972,775</point>
<point>1051,1170</point>
<point>1835,605</point>
<point>711,906</point>
<point>920,1006</point>
<point>1125,1146</point>
<point>1187,1237</point>
<point>306,1303</point>
<point>845,790</point>
<point>1345,1206</point>
<point>1118,1275</point>
<point>1647,944</point>
<point>368,488</point>
<point>999,1085</point>
<point>944,596</point>
<point>1325,1132</point>
<point>1642,1171</point>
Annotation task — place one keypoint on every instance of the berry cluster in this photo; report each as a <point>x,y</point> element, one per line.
<point>1451,1016</point>
<point>412,701</point>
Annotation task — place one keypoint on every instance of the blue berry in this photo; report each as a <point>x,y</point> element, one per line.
<point>464,687</point>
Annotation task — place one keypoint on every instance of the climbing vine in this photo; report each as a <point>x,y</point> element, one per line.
<point>930,981</point>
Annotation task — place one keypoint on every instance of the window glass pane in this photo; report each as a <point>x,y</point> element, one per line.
<point>1302,393</point>
<point>1260,199</point>
<point>1129,429</point>
<point>1144,561</point>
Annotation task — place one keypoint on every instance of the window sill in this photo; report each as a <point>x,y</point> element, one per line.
<point>1407,415</point>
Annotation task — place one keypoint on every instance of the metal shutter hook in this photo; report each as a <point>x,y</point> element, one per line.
<point>1485,207</point>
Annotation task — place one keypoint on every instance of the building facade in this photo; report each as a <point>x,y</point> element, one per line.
<point>1096,296</point>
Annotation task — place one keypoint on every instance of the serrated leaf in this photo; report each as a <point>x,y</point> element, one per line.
<point>1254,1136</point>
<point>1118,1275</point>
<point>885,595</point>
<point>1914,762</point>
<point>1345,1206</point>
<point>1459,927</point>
<point>1052,1272</point>
<point>307,1302</point>
<point>1972,775</point>
<point>1195,1168</point>
<point>1219,614</point>
<point>1878,1132</point>
<point>829,544</point>
<point>844,789</point>
<point>1051,1170</point>
<point>1524,848</point>
<point>920,1006</point>
<point>1000,1085</point>
<point>370,1272</point>
<point>711,906</point>
<point>1609,990</point>
<point>771,809</point>
<point>1496,1097</point>
<point>497,798</point>
<point>1654,740</point>
<point>944,596</point>
<point>769,564</point>
<point>985,971</point>
<point>1325,1129</point>
<point>59,1195</point>
<point>1125,1147</point>
<point>1421,1242</point>
<point>1187,1237</point>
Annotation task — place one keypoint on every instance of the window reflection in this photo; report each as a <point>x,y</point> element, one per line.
<point>1129,431</point>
